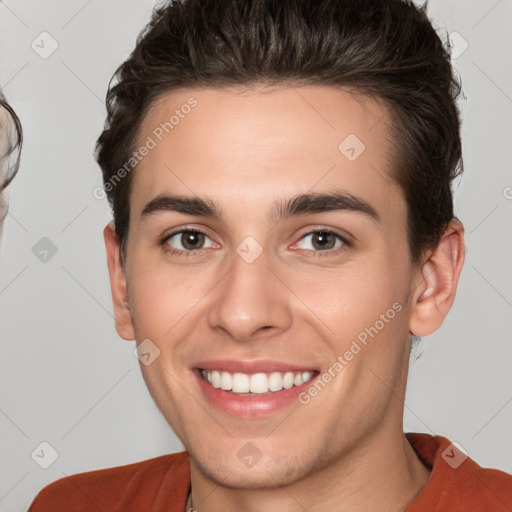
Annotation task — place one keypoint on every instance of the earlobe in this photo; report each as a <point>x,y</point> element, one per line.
<point>122,315</point>
<point>436,286</point>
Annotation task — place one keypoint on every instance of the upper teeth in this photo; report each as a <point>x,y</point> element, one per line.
<point>256,382</point>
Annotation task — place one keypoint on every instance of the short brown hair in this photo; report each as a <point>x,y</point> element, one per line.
<point>387,49</point>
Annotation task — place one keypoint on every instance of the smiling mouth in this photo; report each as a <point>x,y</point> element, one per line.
<point>255,383</point>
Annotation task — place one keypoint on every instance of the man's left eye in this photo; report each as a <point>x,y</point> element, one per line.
<point>320,241</point>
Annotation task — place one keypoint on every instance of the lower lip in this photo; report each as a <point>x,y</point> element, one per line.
<point>250,405</point>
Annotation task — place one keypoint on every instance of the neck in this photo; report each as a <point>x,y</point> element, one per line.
<point>384,474</point>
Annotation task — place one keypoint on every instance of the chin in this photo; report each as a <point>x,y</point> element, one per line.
<point>268,472</point>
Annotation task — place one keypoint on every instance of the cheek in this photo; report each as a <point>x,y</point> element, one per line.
<point>162,297</point>
<point>351,298</point>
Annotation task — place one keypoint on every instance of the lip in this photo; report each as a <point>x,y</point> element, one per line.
<point>247,405</point>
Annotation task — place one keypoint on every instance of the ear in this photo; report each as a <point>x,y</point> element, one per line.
<point>122,316</point>
<point>437,281</point>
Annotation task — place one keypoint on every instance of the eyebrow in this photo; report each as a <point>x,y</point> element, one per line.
<point>301,204</point>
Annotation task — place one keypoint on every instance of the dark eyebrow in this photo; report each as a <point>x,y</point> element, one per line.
<point>181,204</point>
<point>302,204</point>
<point>323,202</point>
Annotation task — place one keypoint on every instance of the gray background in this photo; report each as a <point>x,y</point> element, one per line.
<point>69,380</point>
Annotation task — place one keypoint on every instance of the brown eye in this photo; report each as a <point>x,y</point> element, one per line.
<point>192,240</point>
<point>321,240</point>
<point>189,240</point>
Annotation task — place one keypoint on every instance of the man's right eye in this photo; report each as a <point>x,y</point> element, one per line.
<point>188,240</point>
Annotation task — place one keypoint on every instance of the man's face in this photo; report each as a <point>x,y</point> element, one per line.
<point>258,292</point>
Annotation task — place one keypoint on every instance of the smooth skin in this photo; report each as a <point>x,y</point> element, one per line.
<point>299,301</point>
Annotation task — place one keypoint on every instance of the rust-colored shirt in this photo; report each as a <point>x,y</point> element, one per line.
<point>456,483</point>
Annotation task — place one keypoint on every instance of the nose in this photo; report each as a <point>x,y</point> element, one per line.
<point>250,300</point>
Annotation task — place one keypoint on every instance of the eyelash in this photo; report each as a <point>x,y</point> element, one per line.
<point>198,252</point>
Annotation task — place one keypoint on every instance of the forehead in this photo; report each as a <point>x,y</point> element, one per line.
<point>248,144</point>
